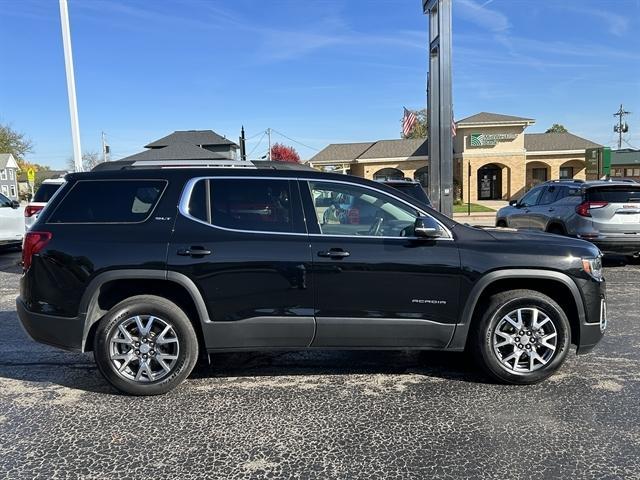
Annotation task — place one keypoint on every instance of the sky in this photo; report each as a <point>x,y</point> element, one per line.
<point>317,71</point>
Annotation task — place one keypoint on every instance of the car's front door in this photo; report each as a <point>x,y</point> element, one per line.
<point>11,221</point>
<point>521,215</point>
<point>243,242</point>
<point>376,284</point>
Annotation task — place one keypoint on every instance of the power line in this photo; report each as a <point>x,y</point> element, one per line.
<point>257,144</point>
<point>295,141</point>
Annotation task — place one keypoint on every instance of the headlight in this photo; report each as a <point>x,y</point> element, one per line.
<point>593,266</point>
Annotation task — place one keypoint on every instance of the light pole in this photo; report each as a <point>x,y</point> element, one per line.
<point>439,105</point>
<point>71,85</point>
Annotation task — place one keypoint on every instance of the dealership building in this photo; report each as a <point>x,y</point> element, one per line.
<point>494,159</point>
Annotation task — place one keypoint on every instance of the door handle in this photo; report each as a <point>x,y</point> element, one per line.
<point>334,253</point>
<point>194,252</point>
<point>552,209</point>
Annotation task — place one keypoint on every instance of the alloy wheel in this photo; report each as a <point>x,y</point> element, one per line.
<point>143,348</point>
<point>525,340</point>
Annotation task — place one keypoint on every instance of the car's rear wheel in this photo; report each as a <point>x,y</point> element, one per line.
<point>522,337</point>
<point>145,345</point>
<point>501,224</point>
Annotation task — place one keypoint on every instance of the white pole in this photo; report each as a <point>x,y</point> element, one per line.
<point>104,148</point>
<point>269,133</point>
<point>71,85</point>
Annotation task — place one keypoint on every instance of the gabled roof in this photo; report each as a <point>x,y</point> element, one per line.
<point>194,137</point>
<point>350,152</point>
<point>547,142</point>
<point>405,147</point>
<point>487,118</point>
<point>7,160</point>
<point>341,151</point>
<point>176,151</point>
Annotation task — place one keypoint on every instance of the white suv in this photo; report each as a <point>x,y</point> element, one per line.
<point>40,199</point>
<point>11,221</point>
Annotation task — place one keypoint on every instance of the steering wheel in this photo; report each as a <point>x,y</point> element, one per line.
<point>376,227</point>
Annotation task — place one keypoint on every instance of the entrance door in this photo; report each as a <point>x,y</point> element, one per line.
<point>490,183</point>
<point>376,284</point>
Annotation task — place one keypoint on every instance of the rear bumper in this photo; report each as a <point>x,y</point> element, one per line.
<point>618,244</point>
<point>61,332</point>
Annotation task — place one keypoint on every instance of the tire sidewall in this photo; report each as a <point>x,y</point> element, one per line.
<point>168,312</point>
<point>493,317</point>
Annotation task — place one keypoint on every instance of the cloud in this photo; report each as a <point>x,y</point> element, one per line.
<point>486,18</point>
<point>617,24</point>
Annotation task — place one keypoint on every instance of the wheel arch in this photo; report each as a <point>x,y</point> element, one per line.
<point>557,285</point>
<point>109,288</point>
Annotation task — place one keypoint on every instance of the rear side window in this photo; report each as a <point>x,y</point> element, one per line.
<point>614,195</point>
<point>269,205</point>
<point>46,191</point>
<point>109,201</point>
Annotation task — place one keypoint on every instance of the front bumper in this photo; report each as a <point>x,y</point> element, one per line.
<point>595,322</point>
<point>61,332</point>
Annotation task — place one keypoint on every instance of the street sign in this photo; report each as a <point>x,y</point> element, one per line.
<point>31,175</point>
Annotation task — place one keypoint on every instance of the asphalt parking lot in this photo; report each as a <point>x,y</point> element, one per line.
<point>324,414</point>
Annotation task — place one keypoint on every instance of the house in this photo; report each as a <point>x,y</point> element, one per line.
<point>9,176</point>
<point>493,157</point>
<point>188,145</point>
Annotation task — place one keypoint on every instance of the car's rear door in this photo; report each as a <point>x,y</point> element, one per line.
<point>243,242</point>
<point>376,284</point>
<point>615,209</point>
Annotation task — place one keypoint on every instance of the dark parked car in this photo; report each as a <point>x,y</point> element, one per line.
<point>152,267</point>
<point>606,213</point>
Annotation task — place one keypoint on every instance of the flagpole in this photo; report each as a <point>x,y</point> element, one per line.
<point>71,85</point>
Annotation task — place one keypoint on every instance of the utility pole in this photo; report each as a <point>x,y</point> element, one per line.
<point>243,147</point>
<point>439,105</point>
<point>269,135</point>
<point>106,151</point>
<point>622,126</point>
<point>71,85</point>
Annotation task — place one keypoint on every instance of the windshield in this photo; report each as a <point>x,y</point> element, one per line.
<point>46,191</point>
<point>622,194</point>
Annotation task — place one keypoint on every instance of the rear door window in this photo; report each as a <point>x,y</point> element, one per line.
<point>251,204</point>
<point>109,201</point>
<point>46,191</point>
<point>622,194</point>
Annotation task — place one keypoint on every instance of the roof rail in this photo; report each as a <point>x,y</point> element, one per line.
<point>193,163</point>
<point>565,180</point>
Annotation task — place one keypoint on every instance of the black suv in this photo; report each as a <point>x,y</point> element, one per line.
<point>152,267</point>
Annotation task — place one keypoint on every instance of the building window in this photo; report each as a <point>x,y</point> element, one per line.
<point>11,174</point>
<point>566,172</point>
<point>12,188</point>
<point>628,172</point>
<point>539,175</point>
<point>3,174</point>
<point>636,172</point>
<point>5,190</point>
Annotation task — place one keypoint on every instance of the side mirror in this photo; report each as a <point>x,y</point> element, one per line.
<point>427,227</point>
<point>15,204</point>
<point>513,203</point>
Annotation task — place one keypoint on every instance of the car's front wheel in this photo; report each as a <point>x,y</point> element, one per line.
<point>522,337</point>
<point>145,345</point>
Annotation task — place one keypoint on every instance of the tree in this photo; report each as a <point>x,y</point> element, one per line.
<point>15,143</point>
<point>283,153</point>
<point>89,160</point>
<point>557,128</point>
<point>419,129</point>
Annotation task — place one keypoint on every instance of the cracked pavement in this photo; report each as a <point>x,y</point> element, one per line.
<point>324,414</point>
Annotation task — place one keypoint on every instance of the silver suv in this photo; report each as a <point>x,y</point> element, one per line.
<point>606,213</point>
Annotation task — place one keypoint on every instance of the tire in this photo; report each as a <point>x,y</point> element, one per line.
<point>501,224</point>
<point>511,363</point>
<point>169,348</point>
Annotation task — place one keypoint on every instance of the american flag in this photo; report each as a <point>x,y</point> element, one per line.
<point>408,121</point>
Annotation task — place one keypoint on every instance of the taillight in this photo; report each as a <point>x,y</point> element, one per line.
<point>31,210</point>
<point>33,242</point>
<point>584,207</point>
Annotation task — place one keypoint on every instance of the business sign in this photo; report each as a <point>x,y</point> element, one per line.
<point>490,139</point>
<point>598,162</point>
